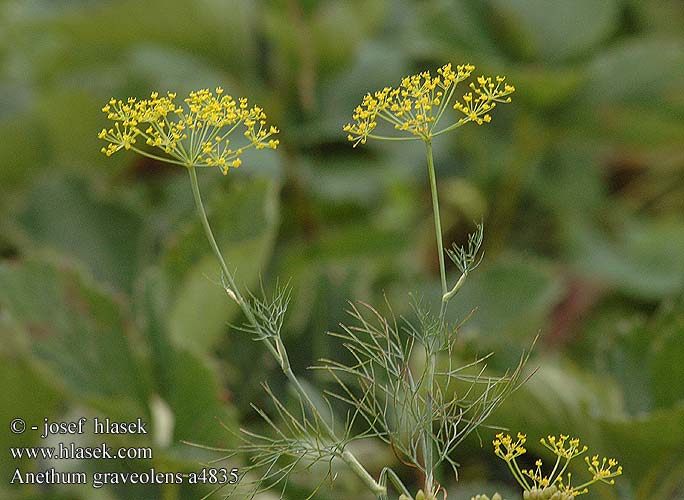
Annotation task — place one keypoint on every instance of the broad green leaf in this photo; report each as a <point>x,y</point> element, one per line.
<point>635,70</point>
<point>627,107</point>
<point>460,25</point>
<point>545,87</point>
<point>114,28</point>
<point>174,70</point>
<point>342,264</point>
<point>71,142</point>
<point>658,16</point>
<point>336,181</point>
<point>21,149</point>
<point>666,359</point>
<point>78,333</point>
<point>624,356</point>
<point>185,381</point>
<point>63,214</point>
<point>645,356</point>
<point>558,397</point>
<point>649,446</point>
<point>630,125</point>
<point>643,258</point>
<point>375,67</point>
<point>569,182</point>
<point>554,30</point>
<point>335,21</point>
<point>194,395</point>
<point>513,296</point>
<point>18,377</point>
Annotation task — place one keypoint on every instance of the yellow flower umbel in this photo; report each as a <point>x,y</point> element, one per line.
<point>196,133</point>
<point>417,105</point>
<point>414,110</point>
<point>554,486</point>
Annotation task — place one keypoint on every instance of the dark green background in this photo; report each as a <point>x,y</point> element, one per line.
<point>108,294</point>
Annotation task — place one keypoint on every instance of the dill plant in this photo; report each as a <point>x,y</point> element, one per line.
<point>421,410</point>
<point>198,134</point>
<point>423,421</point>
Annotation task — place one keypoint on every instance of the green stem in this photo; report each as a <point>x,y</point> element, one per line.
<point>427,431</point>
<point>450,294</point>
<point>584,485</point>
<point>431,355</point>
<point>358,469</point>
<point>219,256</point>
<point>552,476</point>
<point>398,484</point>
<point>277,350</point>
<point>158,158</point>
<point>562,471</point>
<point>346,456</point>
<point>435,213</point>
<point>388,138</point>
<point>517,474</point>
<point>209,233</point>
<point>451,127</point>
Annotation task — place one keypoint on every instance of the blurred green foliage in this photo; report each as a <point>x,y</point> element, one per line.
<point>108,293</point>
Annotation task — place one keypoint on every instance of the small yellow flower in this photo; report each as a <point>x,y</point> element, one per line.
<point>563,446</point>
<point>565,449</point>
<point>603,470</point>
<point>195,133</point>
<point>417,105</point>
<point>511,449</point>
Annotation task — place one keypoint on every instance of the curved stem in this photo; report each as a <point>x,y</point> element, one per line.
<point>445,102</point>
<point>451,127</point>
<point>450,294</point>
<point>358,469</point>
<point>388,473</point>
<point>207,230</point>
<point>219,256</point>
<point>553,475</point>
<point>277,350</point>
<point>155,157</point>
<point>517,473</point>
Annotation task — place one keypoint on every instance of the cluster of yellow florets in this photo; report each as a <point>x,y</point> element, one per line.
<point>538,478</point>
<point>563,446</point>
<point>195,134</point>
<point>603,470</point>
<point>476,107</point>
<point>506,448</point>
<point>554,486</point>
<point>417,105</point>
